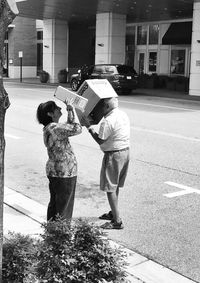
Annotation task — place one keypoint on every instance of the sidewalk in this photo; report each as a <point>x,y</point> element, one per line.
<point>140,91</point>
<point>24,215</point>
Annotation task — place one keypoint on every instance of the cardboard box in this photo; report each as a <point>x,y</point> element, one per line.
<point>95,91</point>
<point>63,94</point>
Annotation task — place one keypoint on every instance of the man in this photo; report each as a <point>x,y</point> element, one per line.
<point>113,138</point>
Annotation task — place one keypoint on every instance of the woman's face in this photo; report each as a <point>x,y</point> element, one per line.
<point>56,114</point>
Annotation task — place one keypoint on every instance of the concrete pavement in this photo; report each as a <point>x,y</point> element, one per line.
<point>24,215</point>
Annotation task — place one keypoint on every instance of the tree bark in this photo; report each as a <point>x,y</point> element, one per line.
<point>8,11</point>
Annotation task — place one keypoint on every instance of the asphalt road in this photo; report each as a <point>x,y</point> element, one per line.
<point>160,204</point>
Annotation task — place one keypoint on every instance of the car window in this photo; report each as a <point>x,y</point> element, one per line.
<point>125,70</point>
<point>99,69</point>
<point>110,69</point>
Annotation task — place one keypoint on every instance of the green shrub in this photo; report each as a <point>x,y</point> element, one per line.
<point>95,259</point>
<point>66,253</point>
<point>18,257</point>
<point>78,253</point>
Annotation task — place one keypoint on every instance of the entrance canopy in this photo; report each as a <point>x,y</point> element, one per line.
<point>85,11</point>
<point>178,33</point>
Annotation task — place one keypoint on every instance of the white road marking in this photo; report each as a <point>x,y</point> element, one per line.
<point>160,106</point>
<point>166,134</point>
<point>185,190</point>
<point>12,136</point>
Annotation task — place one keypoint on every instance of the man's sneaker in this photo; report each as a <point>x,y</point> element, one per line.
<point>107,216</point>
<point>112,225</point>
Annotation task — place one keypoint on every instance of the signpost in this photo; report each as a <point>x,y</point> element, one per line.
<point>20,57</point>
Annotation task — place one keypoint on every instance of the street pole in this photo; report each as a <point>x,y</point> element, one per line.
<point>20,58</point>
<point>20,69</point>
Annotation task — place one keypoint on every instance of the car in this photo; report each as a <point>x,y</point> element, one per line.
<point>123,78</point>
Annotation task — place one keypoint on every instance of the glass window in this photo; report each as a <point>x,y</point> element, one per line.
<point>152,61</point>
<point>141,35</point>
<point>39,35</point>
<point>141,63</point>
<point>125,70</point>
<point>110,69</point>
<point>130,38</point>
<point>6,36</point>
<point>153,34</point>
<point>130,45</point>
<point>99,69</point>
<point>178,62</point>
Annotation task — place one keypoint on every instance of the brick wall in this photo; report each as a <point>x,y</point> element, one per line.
<point>23,38</point>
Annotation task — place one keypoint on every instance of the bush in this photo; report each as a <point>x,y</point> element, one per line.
<point>62,76</point>
<point>65,253</point>
<point>78,253</point>
<point>18,257</point>
<point>95,257</point>
<point>44,76</point>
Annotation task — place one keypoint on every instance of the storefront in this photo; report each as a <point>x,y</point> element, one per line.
<point>155,37</point>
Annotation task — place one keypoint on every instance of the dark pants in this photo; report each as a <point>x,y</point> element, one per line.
<point>62,192</point>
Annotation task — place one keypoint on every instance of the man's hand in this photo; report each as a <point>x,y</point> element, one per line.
<point>85,121</point>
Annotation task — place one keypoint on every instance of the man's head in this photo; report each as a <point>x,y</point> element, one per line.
<point>109,104</point>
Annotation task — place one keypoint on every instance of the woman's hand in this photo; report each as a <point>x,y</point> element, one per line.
<point>69,105</point>
<point>70,110</point>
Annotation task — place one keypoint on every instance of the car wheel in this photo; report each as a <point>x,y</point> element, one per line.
<point>74,85</point>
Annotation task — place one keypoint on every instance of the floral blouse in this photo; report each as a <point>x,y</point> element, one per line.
<point>62,161</point>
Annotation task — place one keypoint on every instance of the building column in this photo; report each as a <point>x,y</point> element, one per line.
<point>194,87</point>
<point>55,47</point>
<point>110,38</point>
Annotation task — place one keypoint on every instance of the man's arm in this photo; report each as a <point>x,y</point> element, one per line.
<point>95,136</point>
<point>85,121</point>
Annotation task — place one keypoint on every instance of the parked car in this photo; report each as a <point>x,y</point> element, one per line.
<point>123,78</point>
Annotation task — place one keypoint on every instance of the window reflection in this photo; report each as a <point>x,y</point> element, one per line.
<point>141,35</point>
<point>153,34</point>
<point>130,45</point>
<point>152,61</point>
<point>178,62</point>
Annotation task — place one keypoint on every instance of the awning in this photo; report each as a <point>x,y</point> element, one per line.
<point>178,33</point>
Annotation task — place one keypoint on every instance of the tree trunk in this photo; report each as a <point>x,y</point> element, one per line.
<point>8,11</point>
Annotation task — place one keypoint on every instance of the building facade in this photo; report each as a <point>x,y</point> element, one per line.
<point>162,40</point>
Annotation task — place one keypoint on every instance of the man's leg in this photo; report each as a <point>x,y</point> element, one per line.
<point>113,201</point>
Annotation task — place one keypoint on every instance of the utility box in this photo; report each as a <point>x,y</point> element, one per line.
<point>95,91</point>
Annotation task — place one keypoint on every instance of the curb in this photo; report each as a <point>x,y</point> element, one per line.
<point>29,215</point>
<point>140,91</point>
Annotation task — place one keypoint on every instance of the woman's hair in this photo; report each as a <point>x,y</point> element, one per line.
<point>43,110</point>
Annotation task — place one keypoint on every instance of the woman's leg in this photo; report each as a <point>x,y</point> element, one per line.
<point>51,210</point>
<point>65,193</point>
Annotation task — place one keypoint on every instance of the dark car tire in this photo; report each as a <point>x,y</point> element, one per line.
<point>74,84</point>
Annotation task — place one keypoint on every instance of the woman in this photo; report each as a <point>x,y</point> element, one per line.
<point>61,167</point>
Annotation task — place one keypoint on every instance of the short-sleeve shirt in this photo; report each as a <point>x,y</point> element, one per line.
<point>62,160</point>
<point>115,130</point>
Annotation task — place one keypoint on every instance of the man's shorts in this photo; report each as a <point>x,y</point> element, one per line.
<point>114,170</point>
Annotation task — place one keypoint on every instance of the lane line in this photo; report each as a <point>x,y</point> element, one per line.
<point>160,106</point>
<point>165,134</point>
<point>185,190</point>
<point>12,136</point>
